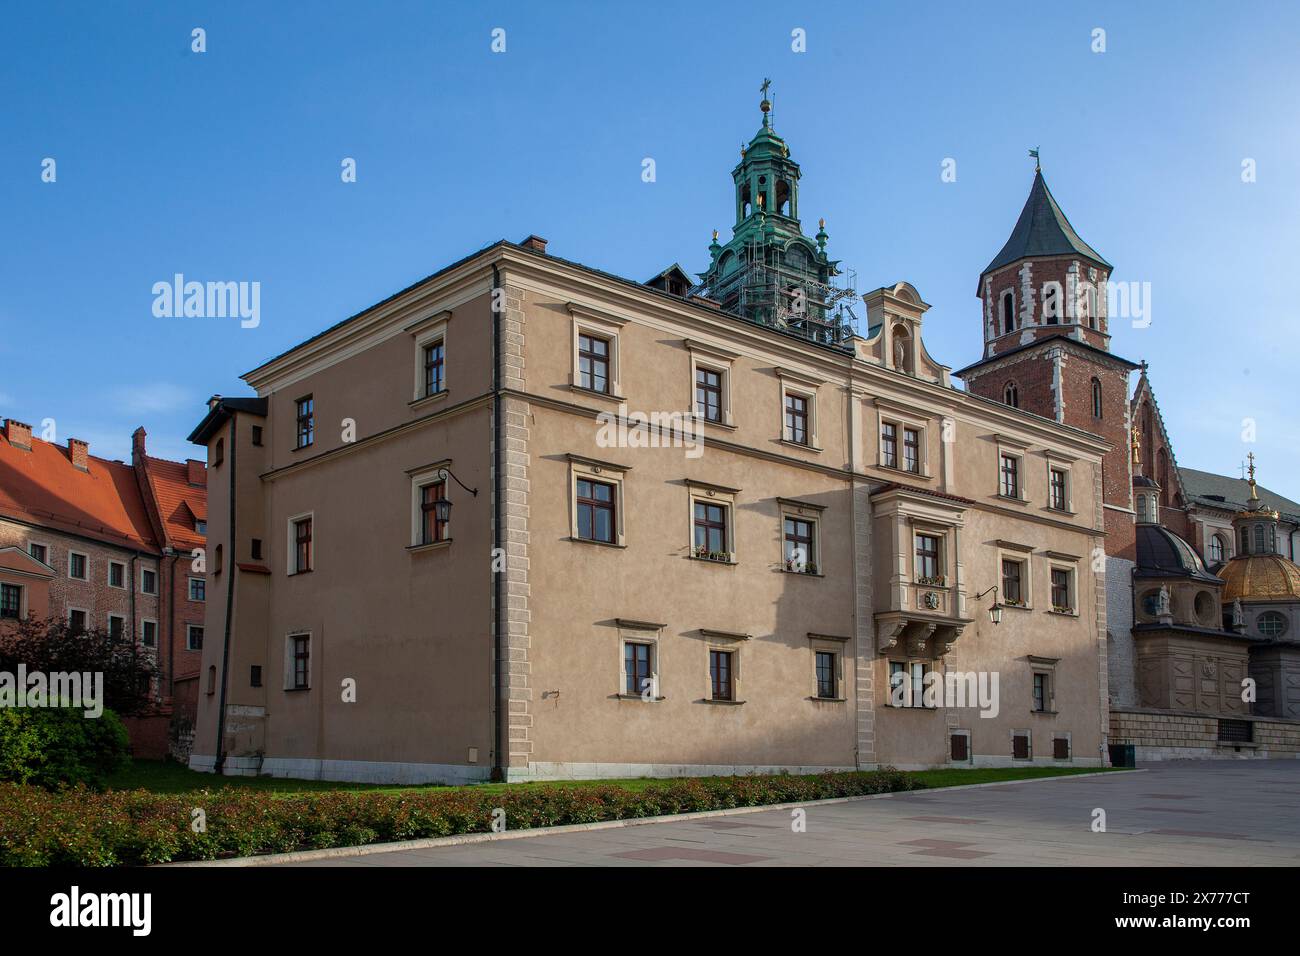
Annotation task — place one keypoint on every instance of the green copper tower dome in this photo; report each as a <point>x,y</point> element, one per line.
<point>770,272</point>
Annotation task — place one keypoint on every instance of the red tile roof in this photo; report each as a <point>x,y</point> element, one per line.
<point>42,487</point>
<point>179,502</point>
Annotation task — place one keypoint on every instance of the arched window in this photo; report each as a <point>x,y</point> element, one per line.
<point>1011,395</point>
<point>1216,550</point>
<point>1096,398</point>
<point>1008,311</point>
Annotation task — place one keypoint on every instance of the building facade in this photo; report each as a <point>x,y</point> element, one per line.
<point>82,540</point>
<point>531,520</point>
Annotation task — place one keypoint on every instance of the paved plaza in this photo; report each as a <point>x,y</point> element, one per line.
<point>1211,813</point>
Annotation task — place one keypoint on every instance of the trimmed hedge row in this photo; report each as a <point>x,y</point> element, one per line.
<point>79,827</point>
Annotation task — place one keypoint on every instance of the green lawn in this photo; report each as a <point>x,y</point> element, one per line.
<point>166,777</point>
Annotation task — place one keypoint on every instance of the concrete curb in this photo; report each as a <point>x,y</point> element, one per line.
<point>307,856</point>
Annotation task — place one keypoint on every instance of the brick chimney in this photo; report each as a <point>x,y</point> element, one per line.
<point>137,446</point>
<point>79,452</point>
<point>535,243</point>
<point>196,472</point>
<point>19,434</point>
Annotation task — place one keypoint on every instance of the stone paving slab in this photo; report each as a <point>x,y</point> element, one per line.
<point>1183,813</point>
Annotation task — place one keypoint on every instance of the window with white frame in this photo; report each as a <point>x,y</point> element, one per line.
<point>1015,580</point>
<point>194,637</point>
<point>827,667</point>
<point>77,618</point>
<point>711,373</point>
<point>39,551</point>
<point>1009,475</point>
<point>712,516</point>
<point>116,626</point>
<point>930,568</point>
<point>429,338</point>
<point>11,601</point>
<point>428,487</point>
<point>596,359</point>
<point>301,543</point>
<point>78,565</point>
<point>198,589</point>
<point>148,581</point>
<point>149,633</point>
<point>800,539</point>
<point>902,445</point>
<point>1042,684</point>
<point>596,501</point>
<point>1058,488</point>
<point>638,660</point>
<point>798,408</point>
<point>117,575</point>
<point>907,682</point>
<point>1063,589</point>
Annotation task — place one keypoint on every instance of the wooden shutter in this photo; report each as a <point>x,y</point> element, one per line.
<point>1020,747</point>
<point>1061,748</point>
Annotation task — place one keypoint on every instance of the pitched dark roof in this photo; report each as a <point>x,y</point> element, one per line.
<point>1042,230</point>
<point>220,410</point>
<point>1220,491</point>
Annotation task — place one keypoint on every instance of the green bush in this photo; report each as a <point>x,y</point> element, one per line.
<point>80,827</point>
<point>56,746</point>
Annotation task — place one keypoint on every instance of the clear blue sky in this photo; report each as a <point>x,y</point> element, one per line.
<point>225,166</point>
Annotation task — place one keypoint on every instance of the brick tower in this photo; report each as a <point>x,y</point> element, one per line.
<point>1047,346</point>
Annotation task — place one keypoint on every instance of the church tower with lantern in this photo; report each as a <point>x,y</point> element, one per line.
<point>769,271</point>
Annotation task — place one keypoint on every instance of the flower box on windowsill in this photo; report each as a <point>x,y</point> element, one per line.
<point>1017,604</point>
<point>935,582</point>
<point>1064,610</point>
<point>717,557</point>
<point>795,567</point>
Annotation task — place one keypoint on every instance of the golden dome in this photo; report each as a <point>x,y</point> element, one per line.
<point>1260,577</point>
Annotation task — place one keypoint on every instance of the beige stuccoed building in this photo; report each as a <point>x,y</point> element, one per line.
<point>531,519</point>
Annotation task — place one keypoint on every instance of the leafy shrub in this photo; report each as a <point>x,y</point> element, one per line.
<point>80,827</point>
<point>53,746</point>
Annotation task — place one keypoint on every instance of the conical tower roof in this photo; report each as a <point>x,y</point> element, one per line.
<point>1042,230</point>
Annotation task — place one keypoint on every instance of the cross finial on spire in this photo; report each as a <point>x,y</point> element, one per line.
<point>1034,155</point>
<point>766,105</point>
<point>766,85</point>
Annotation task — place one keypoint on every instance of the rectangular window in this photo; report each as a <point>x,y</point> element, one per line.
<point>593,363</point>
<point>149,633</point>
<point>708,394</point>
<point>927,560</point>
<point>907,684</point>
<point>77,566</point>
<point>1061,748</point>
<point>1020,746</point>
<point>11,600</point>
<point>960,744</point>
<point>116,574</point>
<point>193,637</point>
<point>76,621</point>
<point>720,675</point>
<point>912,450</point>
<point>1041,696</point>
<point>1010,477</point>
<point>198,589</point>
<point>255,549</point>
<point>257,435</point>
<point>799,545</point>
<point>148,581</point>
<point>300,652</point>
<point>826,683</point>
<point>1012,590</point>
<point>1062,599</point>
<point>434,368</point>
<point>889,445</point>
<point>39,552</point>
<point>637,668</point>
<point>116,626</point>
<point>255,675</point>
<point>1056,484</point>
<point>302,545</point>
<point>200,526</point>
<point>306,421</point>
<point>711,531</point>
<point>595,506</point>
<point>796,418</point>
<point>431,529</point>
